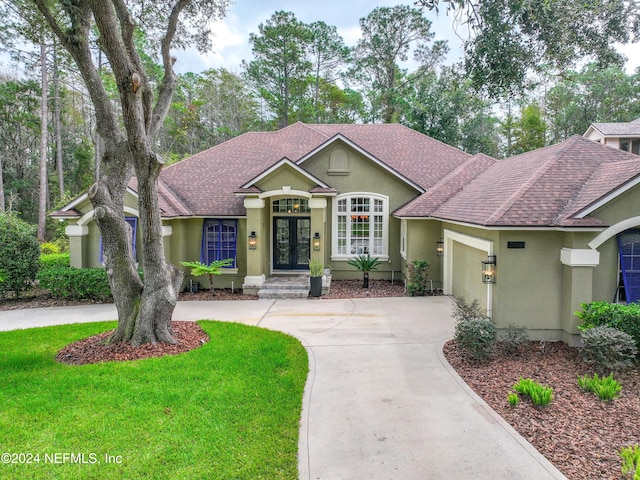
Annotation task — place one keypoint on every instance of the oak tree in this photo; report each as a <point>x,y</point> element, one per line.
<point>128,131</point>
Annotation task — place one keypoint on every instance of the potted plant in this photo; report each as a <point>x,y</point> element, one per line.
<point>365,264</point>
<point>199,268</point>
<point>315,277</point>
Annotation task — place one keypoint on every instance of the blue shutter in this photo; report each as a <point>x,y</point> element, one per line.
<point>629,248</point>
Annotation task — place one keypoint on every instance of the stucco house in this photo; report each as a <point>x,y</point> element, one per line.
<point>530,237</point>
<point>622,135</point>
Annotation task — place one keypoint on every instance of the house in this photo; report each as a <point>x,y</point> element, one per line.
<point>530,237</point>
<point>624,135</point>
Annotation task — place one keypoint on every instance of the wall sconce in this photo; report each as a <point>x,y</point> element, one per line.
<point>489,269</point>
<point>440,248</point>
<point>253,241</point>
<point>316,241</point>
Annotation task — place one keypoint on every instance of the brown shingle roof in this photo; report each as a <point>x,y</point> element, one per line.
<point>204,184</point>
<point>542,188</point>
<point>631,129</point>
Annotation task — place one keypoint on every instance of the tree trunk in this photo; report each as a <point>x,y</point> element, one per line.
<point>56,121</point>
<point>44,114</point>
<point>365,280</point>
<point>2,205</point>
<point>144,310</point>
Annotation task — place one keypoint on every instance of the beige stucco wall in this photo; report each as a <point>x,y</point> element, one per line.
<point>362,175</point>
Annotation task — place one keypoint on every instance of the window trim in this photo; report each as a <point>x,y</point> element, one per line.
<point>208,222</point>
<point>385,224</point>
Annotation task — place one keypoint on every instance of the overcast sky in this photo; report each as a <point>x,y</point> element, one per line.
<point>231,40</point>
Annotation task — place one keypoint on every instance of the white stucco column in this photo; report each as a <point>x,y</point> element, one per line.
<point>255,258</point>
<point>77,244</point>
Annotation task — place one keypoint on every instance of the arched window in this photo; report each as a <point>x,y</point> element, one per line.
<point>361,225</point>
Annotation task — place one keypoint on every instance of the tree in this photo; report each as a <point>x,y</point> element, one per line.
<point>444,106</point>
<point>328,55</point>
<point>281,69</point>
<point>508,39</point>
<point>144,307</point>
<point>593,94</point>
<point>528,131</point>
<point>387,37</point>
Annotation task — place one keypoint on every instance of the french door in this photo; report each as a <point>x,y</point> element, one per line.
<point>291,243</point>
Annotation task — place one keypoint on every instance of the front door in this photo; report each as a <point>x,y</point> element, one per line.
<point>291,243</point>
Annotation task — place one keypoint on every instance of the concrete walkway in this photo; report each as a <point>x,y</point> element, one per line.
<point>381,402</point>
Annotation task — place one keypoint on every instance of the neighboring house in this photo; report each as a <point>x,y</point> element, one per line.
<point>624,135</point>
<point>530,237</point>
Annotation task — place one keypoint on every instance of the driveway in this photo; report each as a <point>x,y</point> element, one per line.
<point>381,402</point>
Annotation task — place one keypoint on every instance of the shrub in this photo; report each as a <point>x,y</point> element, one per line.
<point>467,311</point>
<point>630,461</point>
<point>541,395</point>
<point>419,276</point>
<point>513,399</point>
<point>608,348</point>
<point>76,283</point>
<point>513,338</point>
<point>474,331</point>
<point>48,248</point>
<point>605,388</point>
<point>19,254</point>
<point>54,260</point>
<point>625,318</point>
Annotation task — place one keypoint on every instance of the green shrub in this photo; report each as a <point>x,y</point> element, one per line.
<point>474,331</point>
<point>605,388</point>
<point>76,283</point>
<point>541,395</point>
<point>513,399</point>
<point>625,318</point>
<point>513,338</point>
<point>54,260</point>
<point>48,248</point>
<point>608,348</point>
<point>630,461</point>
<point>418,278</point>
<point>19,254</point>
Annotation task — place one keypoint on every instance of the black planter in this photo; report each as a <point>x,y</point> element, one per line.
<point>316,286</point>
<point>192,287</point>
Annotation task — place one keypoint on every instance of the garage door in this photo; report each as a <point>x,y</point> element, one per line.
<point>466,274</point>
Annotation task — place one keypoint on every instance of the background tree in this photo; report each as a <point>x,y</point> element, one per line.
<point>509,39</point>
<point>444,106</point>
<point>528,131</point>
<point>281,70</point>
<point>329,55</point>
<point>387,37</point>
<point>144,308</point>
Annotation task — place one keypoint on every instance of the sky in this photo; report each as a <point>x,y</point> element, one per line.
<point>231,40</point>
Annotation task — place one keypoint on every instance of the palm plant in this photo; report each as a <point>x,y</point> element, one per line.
<point>199,268</point>
<point>365,264</point>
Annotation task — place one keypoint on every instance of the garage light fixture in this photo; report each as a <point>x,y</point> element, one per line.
<point>489,269</point>
<point>440,248</point>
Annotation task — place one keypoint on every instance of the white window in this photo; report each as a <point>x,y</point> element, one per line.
<point>361,226</point>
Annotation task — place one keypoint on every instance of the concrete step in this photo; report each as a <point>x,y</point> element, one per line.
<point>279,293</point>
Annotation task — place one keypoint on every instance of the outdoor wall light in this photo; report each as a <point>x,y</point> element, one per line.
<point>316,241</point>
<point>489,269</point>
<point>253,241</point>
<point>440,248</point>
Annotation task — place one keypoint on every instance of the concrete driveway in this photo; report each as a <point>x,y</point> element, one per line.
<point>381,402</point>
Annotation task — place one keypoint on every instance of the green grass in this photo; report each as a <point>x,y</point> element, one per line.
<point>227,410</point>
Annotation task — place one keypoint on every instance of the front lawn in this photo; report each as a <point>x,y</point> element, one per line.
<point>227,410</point>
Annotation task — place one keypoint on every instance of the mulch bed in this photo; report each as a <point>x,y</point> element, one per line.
<point>580,434</point>
<point>189,335</point>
